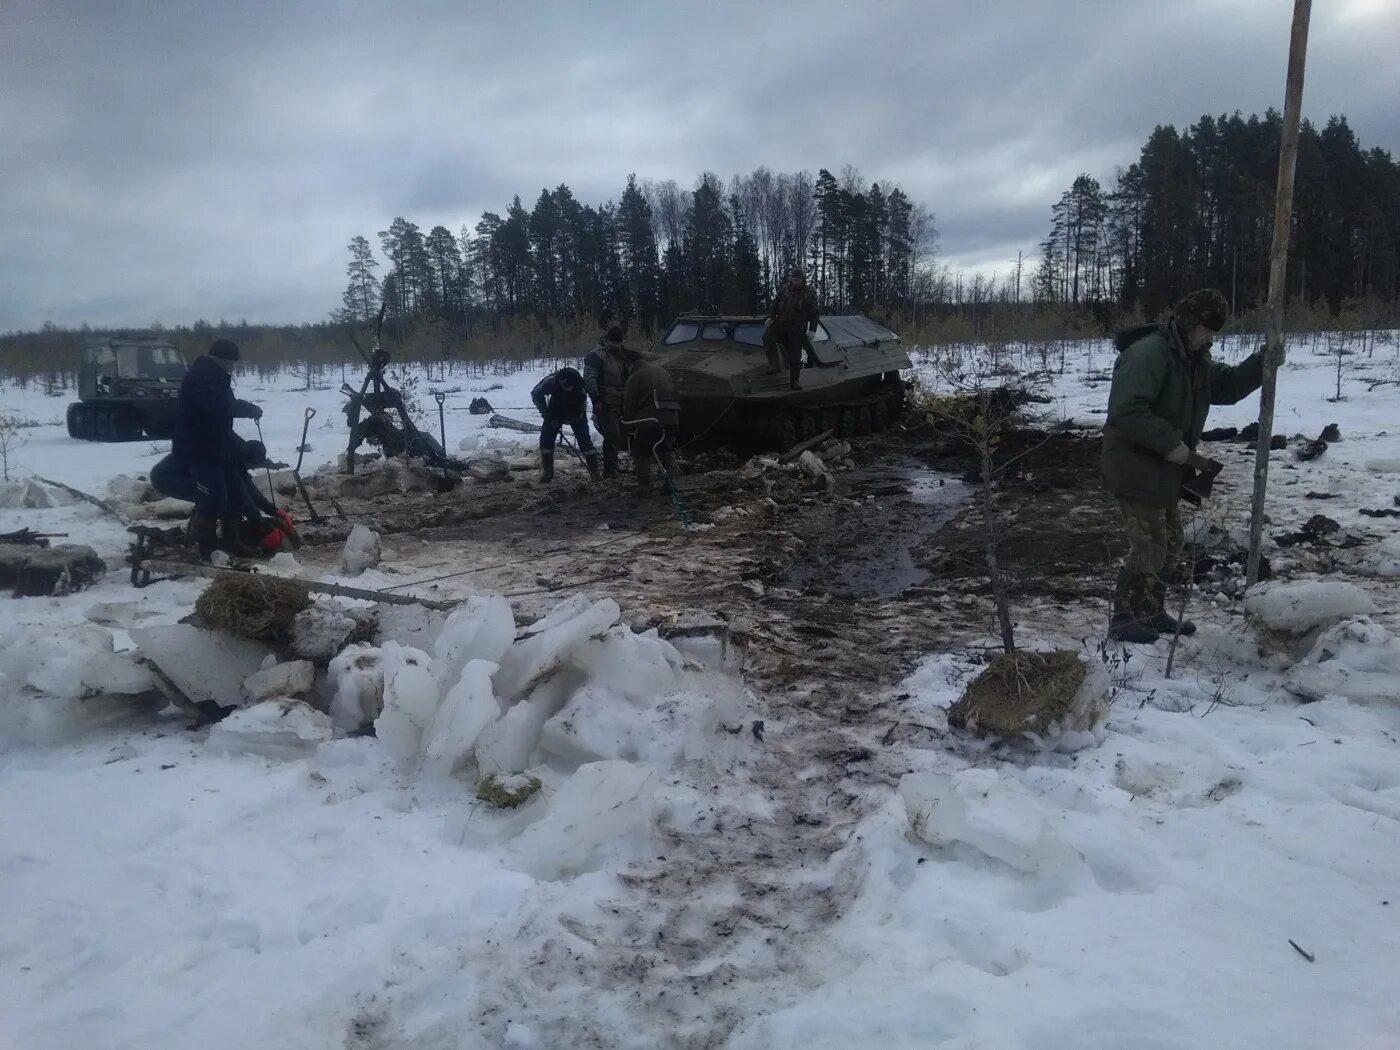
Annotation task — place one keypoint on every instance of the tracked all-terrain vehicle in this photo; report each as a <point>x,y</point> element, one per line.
<point>729,391</point>
<point>127,388</point>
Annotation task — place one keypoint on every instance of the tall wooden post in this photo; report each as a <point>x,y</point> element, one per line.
<point>1278,271</point>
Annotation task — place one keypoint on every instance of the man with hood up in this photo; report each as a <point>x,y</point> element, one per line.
<point>1164,383</point>
<point>561,400</point>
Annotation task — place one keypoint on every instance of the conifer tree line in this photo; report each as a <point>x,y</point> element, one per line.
<point>655,252</point>
<point>1196,209</point>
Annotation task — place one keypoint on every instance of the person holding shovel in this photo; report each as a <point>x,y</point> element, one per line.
<point>1164,383</point>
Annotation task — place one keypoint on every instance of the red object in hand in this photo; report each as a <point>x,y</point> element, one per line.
<point>272,539</point>
<point>284,521</point>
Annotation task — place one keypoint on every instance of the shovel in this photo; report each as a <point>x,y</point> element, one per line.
<point>296,471</point>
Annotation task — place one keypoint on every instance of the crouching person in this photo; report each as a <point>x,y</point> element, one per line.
<point>653,415</point>
<point>561,400</point>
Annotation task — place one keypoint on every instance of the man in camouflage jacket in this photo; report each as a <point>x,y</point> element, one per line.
<point>1164,383</point>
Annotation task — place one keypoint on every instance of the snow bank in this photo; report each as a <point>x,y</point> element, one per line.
<point>1297,607</point>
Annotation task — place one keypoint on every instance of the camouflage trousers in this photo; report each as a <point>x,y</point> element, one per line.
<point>1155,538</point>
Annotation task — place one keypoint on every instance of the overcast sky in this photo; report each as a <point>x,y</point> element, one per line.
<point>170,161</point>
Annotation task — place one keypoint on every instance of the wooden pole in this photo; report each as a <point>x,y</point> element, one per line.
<point>1278,271</point>
<point>211,572</point>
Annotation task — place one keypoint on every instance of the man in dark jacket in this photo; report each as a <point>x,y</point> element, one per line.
<point>650,407</point>
<point>1164,383</point>
<point>203,445</point>
<point>605,372</point>
<point>793,315</point>
<point>263,526</point>
<point>561,400</point>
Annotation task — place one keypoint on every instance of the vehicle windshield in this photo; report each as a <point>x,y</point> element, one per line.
<point>682,332</point>
<point>751,333</point>
<point>150,362</point>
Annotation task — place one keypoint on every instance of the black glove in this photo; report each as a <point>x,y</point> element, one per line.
<point>1204,464</point>
<point>811,326</point>
<point>246,410</point>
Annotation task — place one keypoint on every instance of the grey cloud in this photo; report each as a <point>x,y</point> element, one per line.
<point>174,161</point>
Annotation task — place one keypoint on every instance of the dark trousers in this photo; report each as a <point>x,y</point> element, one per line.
<point>792,342</point>
<point>215,489</point>
<point>609,424</point>
<point>650,443</point>
<point>550,431</point>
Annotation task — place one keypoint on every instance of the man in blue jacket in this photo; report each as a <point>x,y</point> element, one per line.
<point>203,446</point>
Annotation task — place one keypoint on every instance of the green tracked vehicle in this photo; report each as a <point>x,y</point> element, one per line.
<point>127,389</point>
<point>730,394</point>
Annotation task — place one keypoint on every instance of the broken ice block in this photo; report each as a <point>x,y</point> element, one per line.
<point>203,665</point>
<point>272,728</point>
<point>362,551</point>
<point>289,679</point>
<point>468,708</point>
<point>599,803</point>
<point>536,656</point>
<point>481,629</point>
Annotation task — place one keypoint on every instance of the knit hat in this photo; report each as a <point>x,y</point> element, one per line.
<point>224,349</point>
<point>569,377</point>
<point>614,335</point>
<point>1205,307</point>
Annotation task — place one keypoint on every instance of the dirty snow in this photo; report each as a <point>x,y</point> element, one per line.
<point>275,882</point>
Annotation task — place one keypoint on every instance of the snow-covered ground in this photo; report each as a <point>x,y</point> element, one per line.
<point>168,888</point>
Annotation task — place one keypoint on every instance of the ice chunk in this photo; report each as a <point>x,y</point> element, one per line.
<point>468,708</point>
<point>639,666</point>
<point>1387,465</point>
<point>505,746</point>
<point>600,723</point>
<point>411,699</point>
<point>320,632</point>
<point>550,642</point>
<point>36,497</point>
<point>284,565</point>
<point>1358,660</point>
<point>1295,607</point>
<point>1388,556</point>
<point>203,665</point>
<point>362,551</point>
<point>273,728</point>
<point>76,663</point>
<point>599,803</point>
<point>482,629</point>
<point>288,680</point>
<point>168,509</point>
<point>126,489</point>
<point>414,625</point>
<point>994,815</point>
<point>356,679</point>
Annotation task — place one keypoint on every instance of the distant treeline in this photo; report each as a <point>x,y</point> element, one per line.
<point>1196,209</point>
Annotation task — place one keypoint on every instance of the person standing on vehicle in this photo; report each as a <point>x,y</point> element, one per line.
<point>650,405</point>
<point>561,400</point>
<point>605,372</point>
<point>794,314</point>
<point>1164,383</point>
<point>203,446</point>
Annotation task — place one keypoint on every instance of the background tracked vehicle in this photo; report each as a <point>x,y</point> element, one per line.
<point>127,387</point>
<point>727,392</point>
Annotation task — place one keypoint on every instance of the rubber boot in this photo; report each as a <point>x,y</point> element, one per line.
<point>643,466</point>
<point>609,460</point>
<point>204,535</point>
<point>231,539</point>
<point>1162,620</point>
<point>546,466</point>
<point>590,460</point>
<point>1132,610</point>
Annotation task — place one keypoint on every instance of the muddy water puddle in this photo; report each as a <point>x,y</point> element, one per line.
<point>867,551</point>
